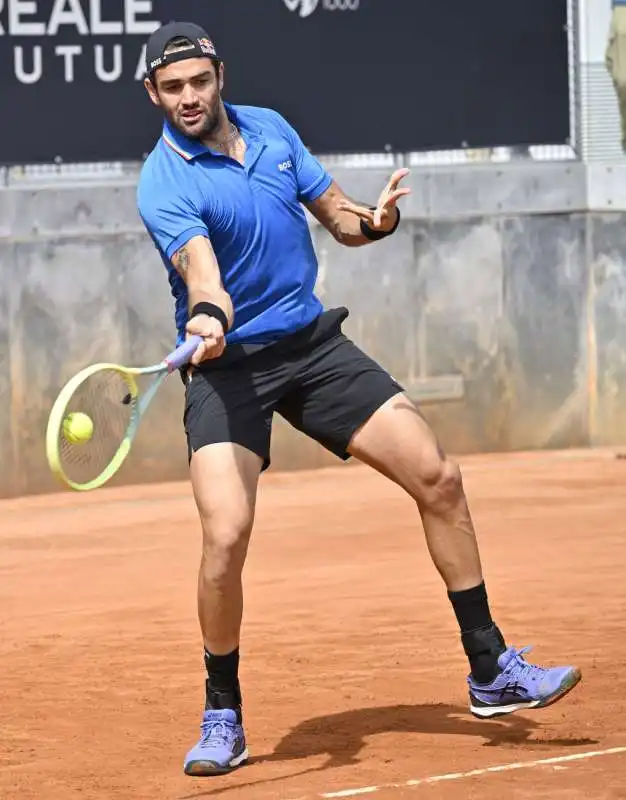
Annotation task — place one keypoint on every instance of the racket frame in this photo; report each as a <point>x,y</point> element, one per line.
<point>54,430</point>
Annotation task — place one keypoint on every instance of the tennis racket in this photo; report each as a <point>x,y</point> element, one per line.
<point>110,402</point>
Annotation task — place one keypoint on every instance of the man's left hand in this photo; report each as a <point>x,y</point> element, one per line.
<point>384,216</point>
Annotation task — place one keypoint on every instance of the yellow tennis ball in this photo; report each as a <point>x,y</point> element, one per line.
<point>77,428</point>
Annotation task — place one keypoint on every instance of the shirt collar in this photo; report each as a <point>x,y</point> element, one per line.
<point>189,149</point>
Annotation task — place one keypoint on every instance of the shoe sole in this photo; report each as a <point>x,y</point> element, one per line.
<point>567,684</point>
<point>204,769</point>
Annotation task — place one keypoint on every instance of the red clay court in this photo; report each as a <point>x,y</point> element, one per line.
<point>353,673</point>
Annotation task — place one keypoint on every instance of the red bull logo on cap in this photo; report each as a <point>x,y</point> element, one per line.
<point>207,46</point>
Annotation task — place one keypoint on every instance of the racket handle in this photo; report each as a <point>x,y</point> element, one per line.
<point>179,357</point>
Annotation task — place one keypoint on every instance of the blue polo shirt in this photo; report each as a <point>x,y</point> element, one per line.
<point>252,215</point>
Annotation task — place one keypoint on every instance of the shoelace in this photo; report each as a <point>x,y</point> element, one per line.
<point>522,669</point>
<point>215,732</point>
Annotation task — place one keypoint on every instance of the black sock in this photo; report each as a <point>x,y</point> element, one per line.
<point>471,608</point>
<point>482,641</point>
<point>223,671</point>
<point>222,686</point>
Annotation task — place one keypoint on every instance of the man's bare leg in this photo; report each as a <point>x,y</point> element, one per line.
<point>399,443</point>
<point>224,478</point>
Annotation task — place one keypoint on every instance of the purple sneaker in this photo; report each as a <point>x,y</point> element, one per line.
<point>520,685</point>
<point>222,745</point>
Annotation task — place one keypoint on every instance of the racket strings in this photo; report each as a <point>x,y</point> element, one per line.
<point>107,399</point>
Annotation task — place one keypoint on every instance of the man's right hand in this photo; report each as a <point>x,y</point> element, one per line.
<point>212,332</point>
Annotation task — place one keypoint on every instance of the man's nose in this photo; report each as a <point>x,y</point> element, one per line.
<point>189,97</point>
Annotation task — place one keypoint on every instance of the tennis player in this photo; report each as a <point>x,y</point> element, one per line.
<point>221,195</point>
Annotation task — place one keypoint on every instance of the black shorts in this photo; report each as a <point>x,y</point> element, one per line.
<point>317,379</point>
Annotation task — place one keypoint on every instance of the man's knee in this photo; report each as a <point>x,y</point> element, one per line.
<point>439,486</point>
<point>224,547</point>
<point>224,479</point>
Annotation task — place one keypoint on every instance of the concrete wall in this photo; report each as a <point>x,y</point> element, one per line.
<point>511,278</point>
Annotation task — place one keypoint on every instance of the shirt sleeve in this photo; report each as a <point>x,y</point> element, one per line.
<point>313,180</point>
<point>171,218</point>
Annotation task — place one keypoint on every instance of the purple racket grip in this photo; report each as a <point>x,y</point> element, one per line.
<point>182,354</point>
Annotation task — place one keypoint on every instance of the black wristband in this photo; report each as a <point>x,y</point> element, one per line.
<point>374,235</point>
<point>211,310</point>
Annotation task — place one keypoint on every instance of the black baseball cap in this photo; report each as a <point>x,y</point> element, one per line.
<point>201,45</point>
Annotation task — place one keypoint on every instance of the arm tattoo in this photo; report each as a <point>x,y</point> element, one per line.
<point>183,262</point>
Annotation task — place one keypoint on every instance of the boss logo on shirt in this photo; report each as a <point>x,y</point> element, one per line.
<point>285,166</point>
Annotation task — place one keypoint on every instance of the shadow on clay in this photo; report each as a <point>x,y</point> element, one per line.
<point>341,737</point>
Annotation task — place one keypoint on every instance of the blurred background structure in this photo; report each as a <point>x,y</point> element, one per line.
<point>500,303</point>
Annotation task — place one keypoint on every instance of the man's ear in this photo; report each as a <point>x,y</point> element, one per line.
<point>152,92</point>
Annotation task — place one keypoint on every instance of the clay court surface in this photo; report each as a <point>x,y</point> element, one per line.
<point>352,670</point>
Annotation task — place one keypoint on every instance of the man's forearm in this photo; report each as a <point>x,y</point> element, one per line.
<point>204,284</point>
<point>349,232</point>
<point>216,296</point>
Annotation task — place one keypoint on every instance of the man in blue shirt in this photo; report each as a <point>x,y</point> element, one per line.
<point>221,195</point>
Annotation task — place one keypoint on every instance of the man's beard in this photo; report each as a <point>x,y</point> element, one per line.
<point>203,128</point>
